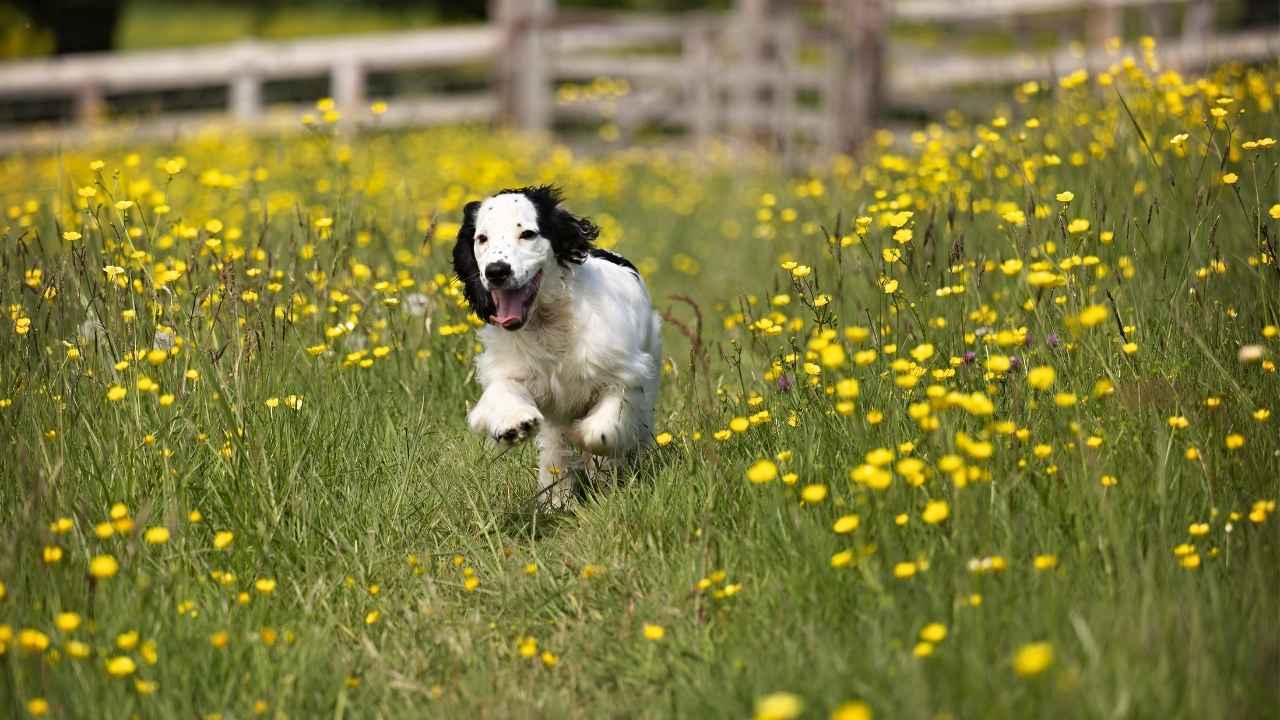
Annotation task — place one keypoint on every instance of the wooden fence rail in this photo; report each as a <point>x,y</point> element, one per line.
<point>742,73</point>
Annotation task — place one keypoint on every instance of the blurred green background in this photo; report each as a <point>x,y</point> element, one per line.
<point>43,27</point>
<point>33,28</point>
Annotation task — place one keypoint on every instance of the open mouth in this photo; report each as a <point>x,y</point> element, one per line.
<point>514,303</point>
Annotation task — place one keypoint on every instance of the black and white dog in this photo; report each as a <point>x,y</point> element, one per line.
<point>572,348</point>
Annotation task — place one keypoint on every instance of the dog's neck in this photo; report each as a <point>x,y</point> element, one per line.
<point>551,314</point>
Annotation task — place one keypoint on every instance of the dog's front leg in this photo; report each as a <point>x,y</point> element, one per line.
<point>505,413</point>
<point>611,428</point>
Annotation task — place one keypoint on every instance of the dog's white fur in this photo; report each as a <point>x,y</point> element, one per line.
<point>582,373</point>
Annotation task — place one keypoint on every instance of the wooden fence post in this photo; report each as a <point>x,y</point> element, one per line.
<point>246,86</point>
<point>857,72</point>
<point>1197,24</point>
<point>89,104</point>
<point>786,32</point>
<point>1104,22</point>
<point>748,33</point>
<point>347,81</point>
<point>522,65</point>
<point>700,80</point>
<point>246,97</point>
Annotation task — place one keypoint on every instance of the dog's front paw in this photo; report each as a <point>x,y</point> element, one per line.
<point>505,424</point>
<point>598,434</point>
<point>517,427</point>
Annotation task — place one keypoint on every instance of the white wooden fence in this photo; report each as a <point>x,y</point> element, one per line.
<point>795,74</point>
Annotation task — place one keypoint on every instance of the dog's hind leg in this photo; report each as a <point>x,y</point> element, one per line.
<point>558,464</point>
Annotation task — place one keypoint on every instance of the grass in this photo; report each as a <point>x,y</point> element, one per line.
<point>263,332</point>
<point>163,23</point>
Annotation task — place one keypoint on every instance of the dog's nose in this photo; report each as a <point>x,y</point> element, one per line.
<point>498,273</point>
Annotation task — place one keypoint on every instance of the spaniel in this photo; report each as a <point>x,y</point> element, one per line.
<point>572,347</point>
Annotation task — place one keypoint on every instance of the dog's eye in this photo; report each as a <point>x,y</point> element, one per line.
<point>482,239</point>
<point>528,234</point>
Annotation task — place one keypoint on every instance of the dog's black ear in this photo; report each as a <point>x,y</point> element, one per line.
<point>571,236</point>
<point>466,268</point>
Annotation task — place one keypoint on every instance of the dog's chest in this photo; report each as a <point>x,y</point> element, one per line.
<point>560,372</point>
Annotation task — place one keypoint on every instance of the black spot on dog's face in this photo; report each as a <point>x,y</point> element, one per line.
<point>571,237</point>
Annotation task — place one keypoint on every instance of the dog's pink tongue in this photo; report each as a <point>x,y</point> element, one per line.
<point>511,304</point>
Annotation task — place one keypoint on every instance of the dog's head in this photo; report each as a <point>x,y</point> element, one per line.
<point>505,245</point>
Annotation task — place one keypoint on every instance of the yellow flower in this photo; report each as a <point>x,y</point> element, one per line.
<point>1033,659</point>
<point>778,706</point>
<point>1092,315</point>
<point>116,393</point>
<point>852,711</point>
<point>1044,278</point>
<point>904,570</point>
<point>762,471</point>
<point>121,666</point>
<point>32,640</point>
<point>654,632</point>
<point>846,524</point>
<point>222,539</point>
<point>1045,562</point>
<point>103,566</point>
<point>1230,178</point>
<point>832,356</point>
<point>127,640</point>
<point>1065,196</point>
<point>1041,378</point>
<point>549,659</point>
<point>663,439</point>
<point>38,707</point>
<point>934,633</point>
<point>1077,226</point>
<point>847,389</point>
<point>1235,441</point>
<point>266,586</point>
<point>814,494</point>
<point>219,639</point>
<point>935,512</point>
<point>1275,211</point>
<point>842,559</point>
<point>527,647</point>
<point>156,535</point>
<point>67,621</point>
